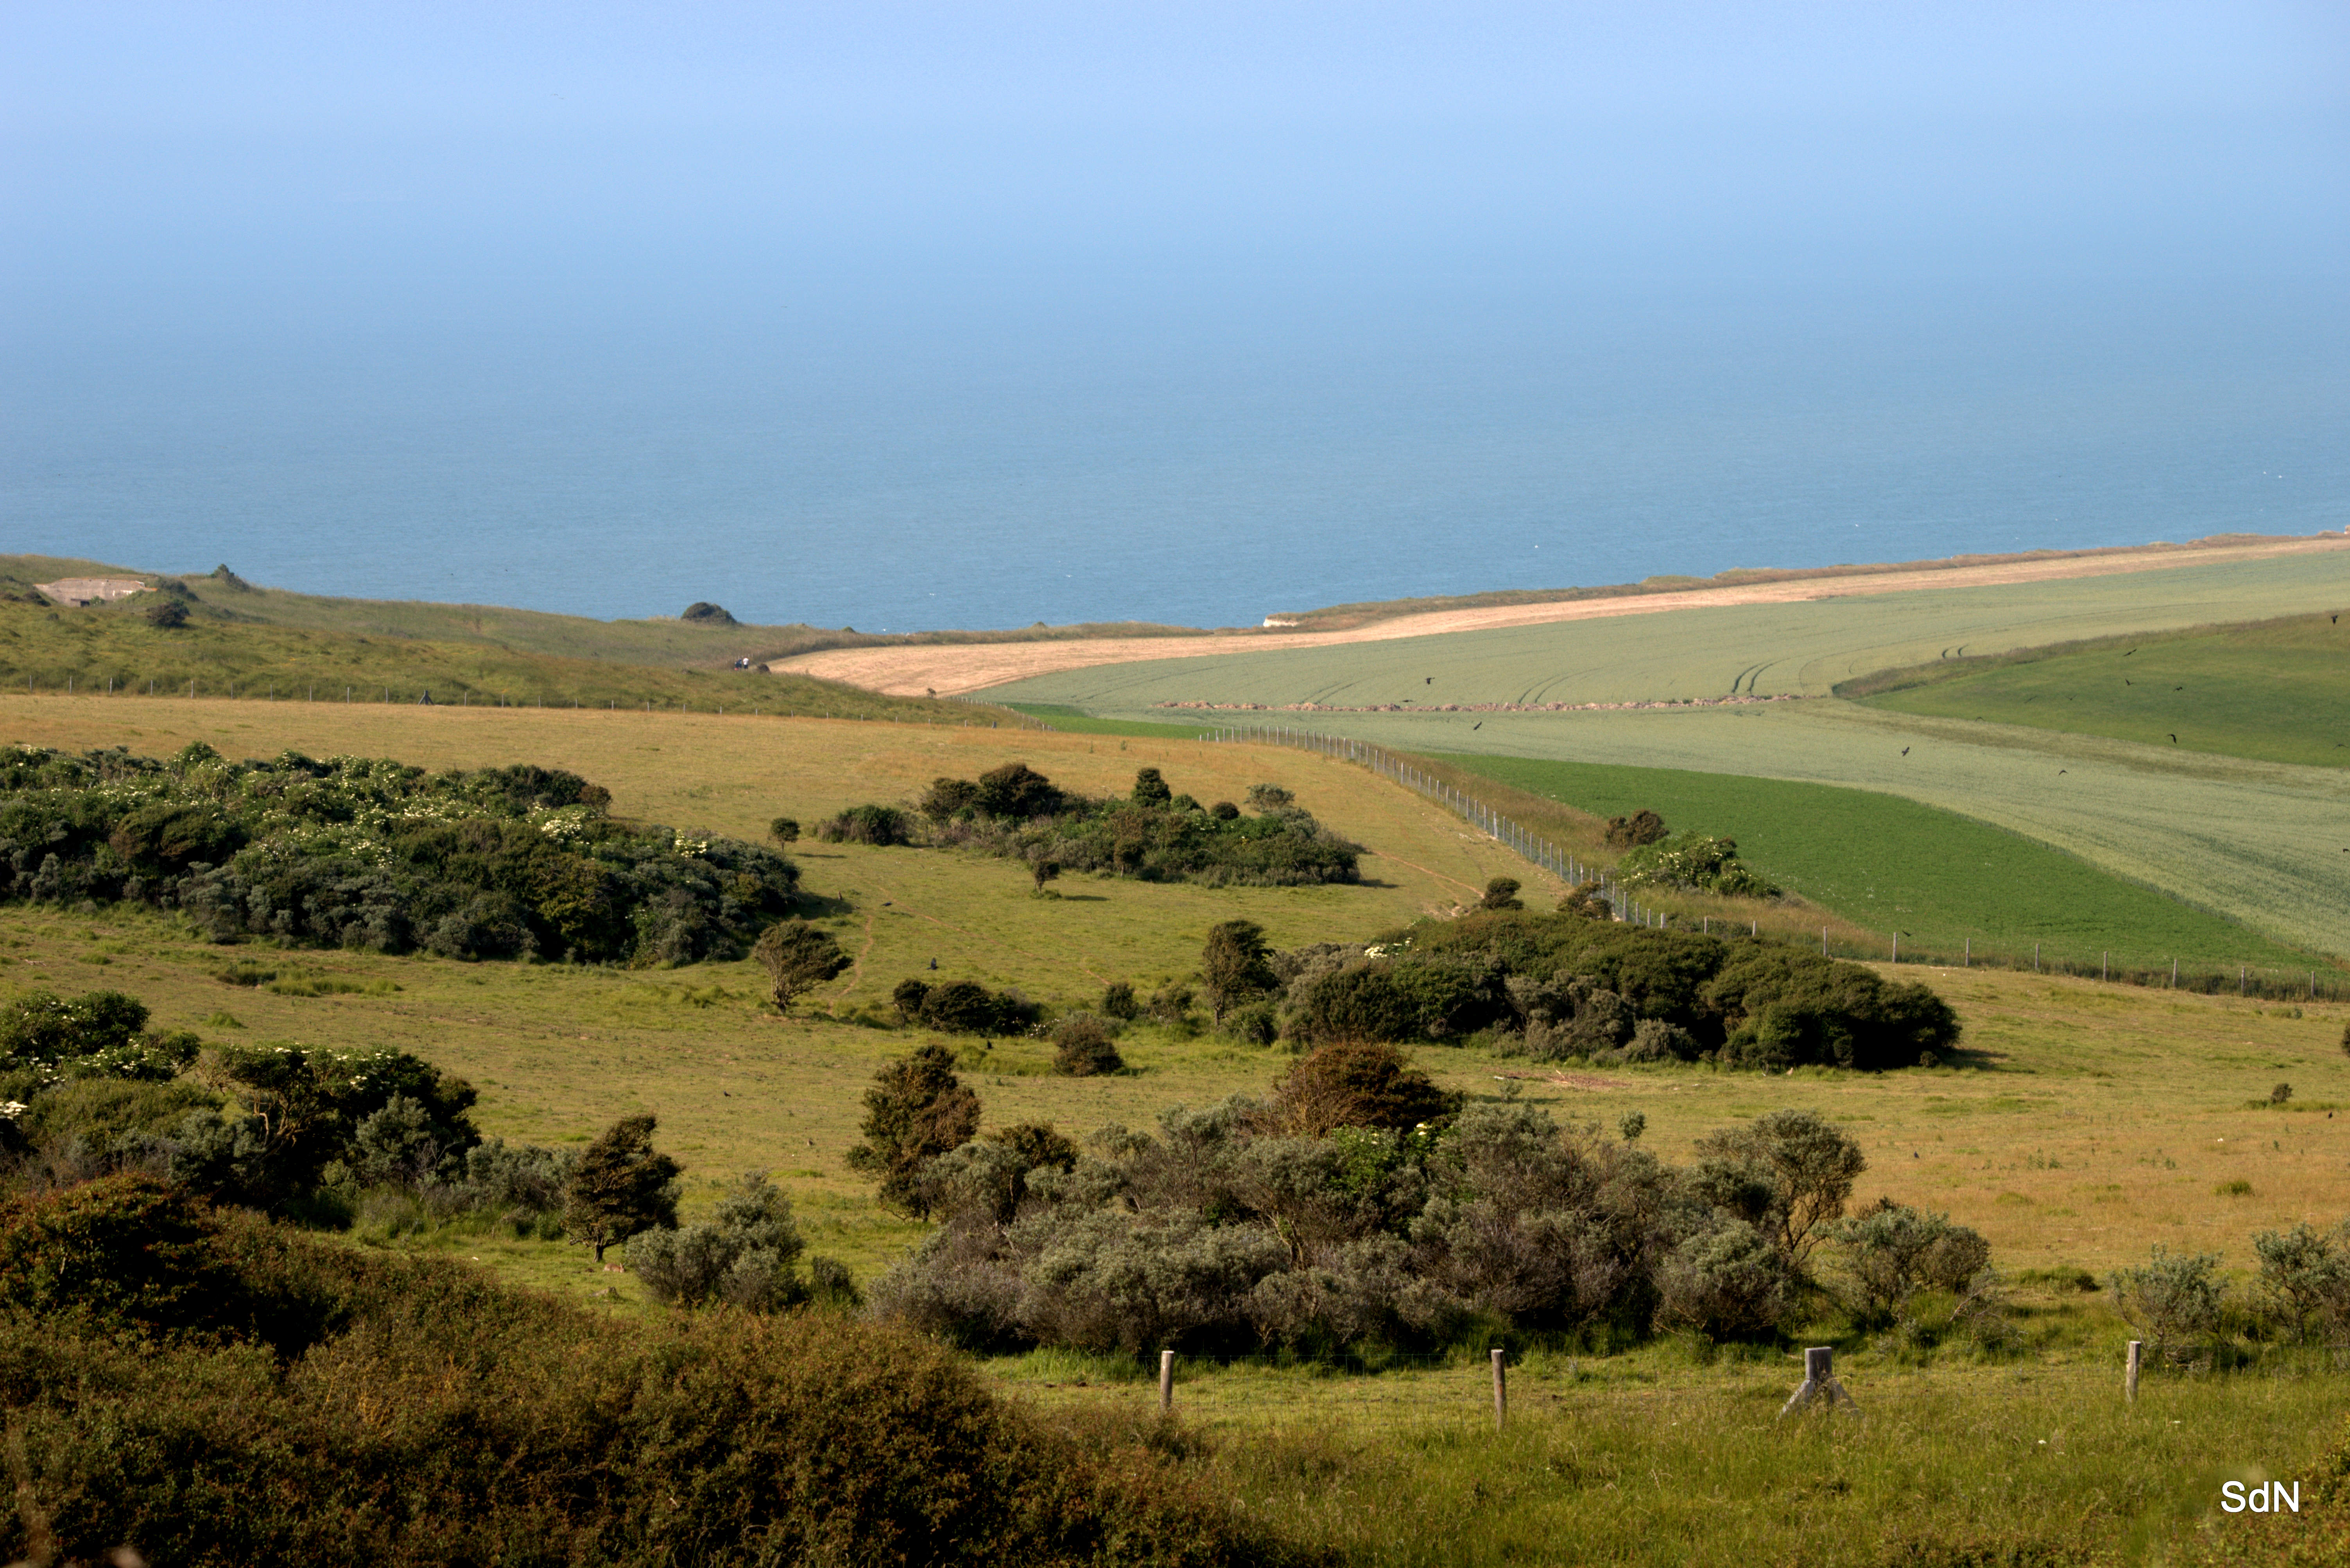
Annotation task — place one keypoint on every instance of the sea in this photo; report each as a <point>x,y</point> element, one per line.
<point>1001,451</point>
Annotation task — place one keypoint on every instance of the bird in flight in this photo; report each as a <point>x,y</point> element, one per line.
<point>2126,655</point>
<point>1905,751</point>
<point>1432,681</point>
<point>1478,725</point>
<point>2062,771</point>
<point>2127,681</point>
<point>2174,740</point>
<point>2178,689</point>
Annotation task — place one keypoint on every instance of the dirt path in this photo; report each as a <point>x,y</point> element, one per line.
<point>950,670</point>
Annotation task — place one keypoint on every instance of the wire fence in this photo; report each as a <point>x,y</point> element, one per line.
<point>2176,972</point>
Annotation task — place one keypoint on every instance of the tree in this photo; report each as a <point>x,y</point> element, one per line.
<point>916,1111</point>
<point>622,1186</point>
<point>167,613</point>
<point>785,830</point>
<point>949,797</point>
<point>1150,788</point>
<point>1270,797</point>
<point>1233,965</point>
<point>908,999</point>
<point>1117,1001</point>
<point>1501,893</point>
<point>1044,871</point>
<point>1016,789</point>
<point>798,956</point>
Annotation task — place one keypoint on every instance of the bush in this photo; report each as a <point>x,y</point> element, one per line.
<point>2280,1093</point>
<point>1631,832</point>
<point>434,1417</point>
<point>1438,997</point>
<point>876,824</point>
<point>907,996</point>
<point>1233,965</point>
<point>166,613</point>
<point>1084,1048</point>
<point>1225,810</point>
<point>1358,1085</point>
<point>967,1007</point>
<point>1501,893</point>
<point>785,830</point>
<point>1783,1008</point>
<point>359,853</point>
<point>1150,789</point>
<point>2305,1279</point>
<point>2174,1298</point>
<point>1117,1002</point>
<point>916,1110</point>
<point>1787,1173</point>
<point>1694,860</point>
<point>745,1256</point>
<point>1892,1251</point>
<point>1725,1283</point>
<point>1586,903</point>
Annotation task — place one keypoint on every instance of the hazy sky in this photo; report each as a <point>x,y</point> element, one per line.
<point>181,163</point>
<point>978,313</point>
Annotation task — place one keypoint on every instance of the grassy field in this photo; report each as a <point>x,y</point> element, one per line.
<point>2081,1125</point>
<point>2277,692</point>
<point>98,649</point>
<point>2259,843</point>
<point>1890,864</point>
<point>1805,648</point>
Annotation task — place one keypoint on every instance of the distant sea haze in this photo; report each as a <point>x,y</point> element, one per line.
<point>893,465</point>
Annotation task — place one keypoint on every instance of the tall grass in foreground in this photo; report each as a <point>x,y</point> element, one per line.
<point>1992,1465</point>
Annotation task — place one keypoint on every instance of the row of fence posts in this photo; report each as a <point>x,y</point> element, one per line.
<point>1531,845</point>
<point>1820,1382</point>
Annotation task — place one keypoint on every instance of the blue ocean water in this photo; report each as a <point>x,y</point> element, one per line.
<point>1005,453</point>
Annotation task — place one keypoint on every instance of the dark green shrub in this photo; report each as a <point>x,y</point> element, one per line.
<point>785,830</point>
<point>1787,1173</point>
<point>1083,1047</point>
<point>1225,810</point>
<point>166,613</point>
<point>876,824</point>
<point>949,798</point>
<point>1016,790</point>
<point>622,1186</point>
<point>1501,893</point>
<point>1117,1002</point>
<point>125,1251</point>
<point>1233,965</point>
<point>1891,1252</point>
<point>365,852</point>
<point>1150,788</point>
<point>1784,1008</point>
<point>1396,999</point>
<point>1694,860</point>
<point>967,1007</point>
<point>1358,1085</point>
<point>1586,902</point>
<point>1270,797</point>
<point>916,1110</point>
<point>907,997</point>
<point>1043,871</point>
<point>1253,1023</point>
<point>1631,832</point>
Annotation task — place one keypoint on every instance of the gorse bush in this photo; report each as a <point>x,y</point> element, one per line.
<point>963,1007</point>
<point>349,852</point>
<point>238,1393</point>
<point>1564,986</point>
<point>1278,1223</point>
<point>1150,833</point>
<point>876,825</point>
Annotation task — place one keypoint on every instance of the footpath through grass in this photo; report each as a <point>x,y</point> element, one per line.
<point>2277,691</point>
<point>1893,865</point>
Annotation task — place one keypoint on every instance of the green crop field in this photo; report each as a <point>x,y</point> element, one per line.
<point>1803,647</point>
<point>2082,1124</point>
<point>1891,865</point>
<point>2277,692</point>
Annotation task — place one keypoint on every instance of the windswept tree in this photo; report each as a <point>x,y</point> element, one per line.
<point>622,1186</point>
<point>1233,965</point>
<point>797,957</point>
<point>916,1111</point>
<point>1787,1173</point>
<point>785,830</point>
<point>1501,893</point>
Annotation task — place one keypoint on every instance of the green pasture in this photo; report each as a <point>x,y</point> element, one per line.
<point>1806,646</point>
<point>1078,721</point>
<point>1892,865</point>
<point>2279,691</point>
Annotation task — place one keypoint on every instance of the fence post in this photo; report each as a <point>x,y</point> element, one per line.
<point>1967,959</point>
<point>1166,1381</point>
<point>1501,1392</point>
<point>1819,1383</point>
<point>2129,1377</point>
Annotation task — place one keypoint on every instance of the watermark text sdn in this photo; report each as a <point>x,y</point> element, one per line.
<point>2266,1497</point>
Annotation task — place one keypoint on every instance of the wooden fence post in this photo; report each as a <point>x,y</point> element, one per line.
<point>1819,1383</point>
<point>1501,1392</point>
<point>2129,1377</point>
<point>1166,1381</point>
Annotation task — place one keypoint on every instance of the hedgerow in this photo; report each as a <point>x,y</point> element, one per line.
<point>364,852</point>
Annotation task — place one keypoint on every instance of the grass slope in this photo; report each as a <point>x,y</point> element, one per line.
<point>2277,692</point>
<point>47,649</point>
<point>1891,865</point>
